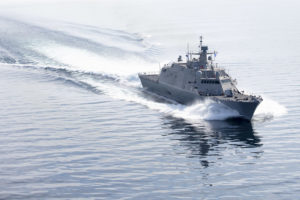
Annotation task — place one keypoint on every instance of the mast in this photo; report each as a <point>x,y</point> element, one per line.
<point>200,43</point>
<point>188,52</point>
<point>202,54</point>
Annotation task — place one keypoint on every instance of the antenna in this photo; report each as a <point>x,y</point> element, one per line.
<point>188,52</point>
<point>200,43</point>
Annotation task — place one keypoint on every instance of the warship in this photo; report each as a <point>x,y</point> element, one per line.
<point>199,78</point>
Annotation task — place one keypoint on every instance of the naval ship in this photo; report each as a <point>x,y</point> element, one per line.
<point>199,79</point>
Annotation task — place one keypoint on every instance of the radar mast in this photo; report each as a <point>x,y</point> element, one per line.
<point>200,43</point>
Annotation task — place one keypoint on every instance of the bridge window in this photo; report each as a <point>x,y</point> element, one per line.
<point>226,81</point>
<point>210,82</point>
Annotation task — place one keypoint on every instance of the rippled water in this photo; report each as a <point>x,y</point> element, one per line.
<point>76,123</point>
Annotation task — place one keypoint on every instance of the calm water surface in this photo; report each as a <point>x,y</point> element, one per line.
<point>76,123</point>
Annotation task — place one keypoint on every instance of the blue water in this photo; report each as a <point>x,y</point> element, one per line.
<point>76,123</point>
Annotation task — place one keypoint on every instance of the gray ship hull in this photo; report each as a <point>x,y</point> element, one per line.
<point>246,109</point>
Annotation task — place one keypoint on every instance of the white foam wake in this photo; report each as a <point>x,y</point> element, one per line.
<point>269,109</point>
<point>87,61</point>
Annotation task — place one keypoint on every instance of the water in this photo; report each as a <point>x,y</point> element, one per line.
<point>76,123</point>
